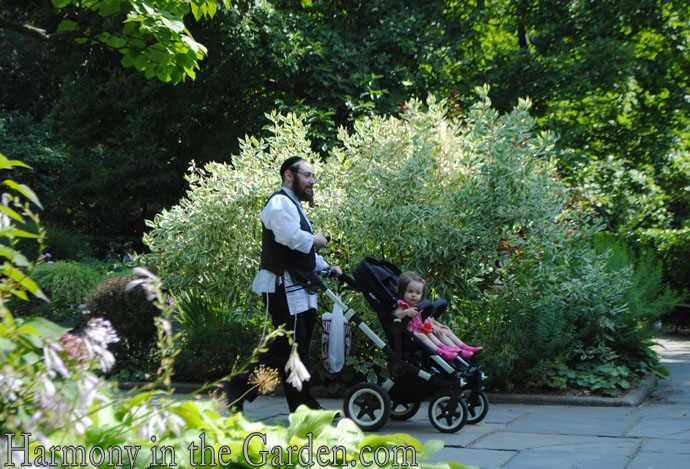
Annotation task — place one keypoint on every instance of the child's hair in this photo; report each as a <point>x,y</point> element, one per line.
<point>405,279</point>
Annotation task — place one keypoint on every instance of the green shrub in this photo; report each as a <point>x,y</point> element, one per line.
<point>673,248</point>
<point>64,244</point>
<point>132,316</point>
<point>66,282</point>
<point>215,338</point>
<point>649,296</point>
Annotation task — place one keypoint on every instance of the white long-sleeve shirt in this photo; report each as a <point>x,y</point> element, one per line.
<point>282,217</point>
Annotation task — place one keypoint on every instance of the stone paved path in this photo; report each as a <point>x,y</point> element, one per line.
<point>655,435</point>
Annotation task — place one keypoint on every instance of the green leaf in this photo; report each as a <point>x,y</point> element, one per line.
<point>12,231</point>
<point>67,25</point>
<point>16,257</point>
<point>7,346</point>
<point>19,293</point>
<point>23,280</point>
<point>195,10</point>
<point>5,163</point>
<point>116,42</point>
<point>189,411</point>
<point>24,190</point>
<point>11,213</point>
<point>432,447</point>
<point>43,327</point>
<point>140,62</point>
<point>305,420</point>
<point>61,3</point>
<point>128,58</point>
<point>110,7</point>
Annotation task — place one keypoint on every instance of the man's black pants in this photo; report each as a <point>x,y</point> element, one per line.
<point>279,351</point>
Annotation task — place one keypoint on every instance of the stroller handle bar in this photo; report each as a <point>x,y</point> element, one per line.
<point>328,273</point>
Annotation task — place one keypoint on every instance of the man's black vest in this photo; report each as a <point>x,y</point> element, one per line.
<point>279,258</point>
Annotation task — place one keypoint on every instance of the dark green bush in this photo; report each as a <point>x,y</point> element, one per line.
<point>65,244</point>
<point>673,248</point>
<point>215,338</point>
<point>130,313</point>
<point>66,282</point>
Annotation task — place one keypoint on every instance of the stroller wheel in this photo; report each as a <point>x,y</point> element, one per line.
<point>445,417</point>
<point>404,411</point>
<point>368,405</point>
<point>476,411</point>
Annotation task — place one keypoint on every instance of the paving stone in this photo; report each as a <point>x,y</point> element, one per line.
<point>667,446</point>
<point>558,443</point>
<point>671,428</point>
<point>595,423</point>
<point>566,460</point>
<point>423,431</point>
<point>503,413</point>
<point>646,460</point>
<point>485,459</point>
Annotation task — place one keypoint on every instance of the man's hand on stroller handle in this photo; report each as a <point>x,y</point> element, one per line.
<point>331,271</point>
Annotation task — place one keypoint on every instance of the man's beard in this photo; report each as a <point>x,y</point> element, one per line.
<point>302,194</point>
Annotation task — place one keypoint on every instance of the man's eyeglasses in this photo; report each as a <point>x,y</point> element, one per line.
<point>307,175</point>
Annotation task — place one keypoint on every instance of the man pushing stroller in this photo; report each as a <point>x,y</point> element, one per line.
<point>285,282</point>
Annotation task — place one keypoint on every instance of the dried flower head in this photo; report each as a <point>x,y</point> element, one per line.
<point>264,378</point>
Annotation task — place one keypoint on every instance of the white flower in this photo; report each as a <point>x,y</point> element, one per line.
<point>99,333</point>
<point>88,390</point>
<point>145,281</point>
<point>164,324</point>
<point>297,371</point>
<point>9,386</point>
<point>49,387</point>
<point>101,330</point>
<point>176,424</point>
<point>52,360</point>
<point>82,423</point>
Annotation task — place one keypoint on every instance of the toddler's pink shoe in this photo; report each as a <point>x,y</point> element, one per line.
<point>471,349</point>
<point>466,353</point>
<point>446,352</point>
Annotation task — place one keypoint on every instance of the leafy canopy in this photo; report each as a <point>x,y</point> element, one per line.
<point>152,38</point>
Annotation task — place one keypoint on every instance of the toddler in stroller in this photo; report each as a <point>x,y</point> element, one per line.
<point>437,336</point>
<point>454,389</point>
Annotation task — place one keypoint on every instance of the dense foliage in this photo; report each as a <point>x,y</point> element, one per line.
<point>133,317</point>
<point>472,203</point>
<point>67,282</point>
<point>607,76</point>
<point>203,355</point>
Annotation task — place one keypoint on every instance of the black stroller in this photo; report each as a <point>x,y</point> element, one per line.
<point>455,389</point>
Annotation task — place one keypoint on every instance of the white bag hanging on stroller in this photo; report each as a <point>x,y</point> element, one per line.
<point>335,341</point>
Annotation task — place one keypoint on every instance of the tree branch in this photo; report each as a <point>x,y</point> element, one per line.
<point>36,33</point>
<point>26,30</point>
